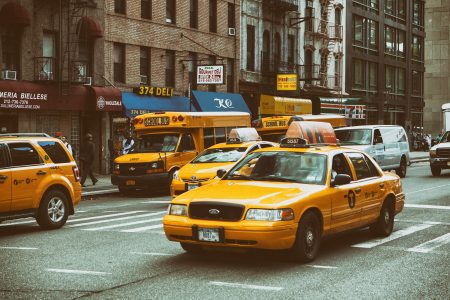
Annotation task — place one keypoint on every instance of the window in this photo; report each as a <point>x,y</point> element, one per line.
<point>146,9</point>
<point>358,30</point>
<point>11,50</point>
<point>417,47</point>
<point>55,151</point>
<point>231,15</point>
<point>3,159</point>
<point>373,35</point>
<point>389,40</point>
<point>193,70</point>
<point>193,13</point>
<point>373,170</point>
<point>365,33</point>
<point>362,170</point>
<point>171,11</point>
<point>212,61</point>
<point>373,76</point>
<point>230,75</point>
<point>417,15</point>
<point>291,50</point>
<point>358,74</point>
<point>208,137</point>
<point>400,81</point>
<point>390,79</point>
<point>119,6</point>
<point>250,48</point>
<point>170,68</point>
<point>277,50</point>
<point>266,52</point>
<point>23,154</point>
<point>213,15</point>
<point>417,83</point>
<point>340,166</point>
<point>338,22</point>
<point>49,56</point>
<point>119,62</point>
<point>145,65</point>
<point>389,7</point>
<point>186,143</point>
<point>337,71</point>
<point>401,40</point>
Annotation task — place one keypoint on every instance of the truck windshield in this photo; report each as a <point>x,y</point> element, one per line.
<point>166,142</point>
<point>220,155</point>
<point>354,136</point>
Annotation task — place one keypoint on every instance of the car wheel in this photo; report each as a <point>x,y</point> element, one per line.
<point>191,248</point>
<point>385,223</point>
<point>401,171</point>
<point>53,210</point>
<point>435,170</point>
<point>308,238</point>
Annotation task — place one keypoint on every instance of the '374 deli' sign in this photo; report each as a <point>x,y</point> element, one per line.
<point>24,100</point>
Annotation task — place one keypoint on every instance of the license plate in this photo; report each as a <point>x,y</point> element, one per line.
<point>208,234</point>
<point>192,186</point>
<point>130,182</point>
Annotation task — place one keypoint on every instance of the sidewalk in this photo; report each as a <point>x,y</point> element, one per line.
<point>104,186</point>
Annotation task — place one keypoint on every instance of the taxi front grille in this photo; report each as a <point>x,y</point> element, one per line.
<point>189,180</point>
<point>444,152</point>
<point>133,169</point>
<point>216,211</point>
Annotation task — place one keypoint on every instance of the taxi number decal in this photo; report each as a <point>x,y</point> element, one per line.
<point>292,141</point>
<point>156,121</point>
<point>351,199</point>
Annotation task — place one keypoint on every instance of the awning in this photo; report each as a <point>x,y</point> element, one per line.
<point>351,108</point>
<point>137,105</point>
<point>14,14</point>
<point>90,27</point>
<point>107,99</point>
<point>216,102</point>
<point>274,105</point>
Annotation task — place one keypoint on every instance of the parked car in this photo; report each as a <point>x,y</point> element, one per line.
<point>440,155</point>
<point>387,144</point>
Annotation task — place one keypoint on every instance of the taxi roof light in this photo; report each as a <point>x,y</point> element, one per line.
<point>242,135</point>
<point>306,133</point>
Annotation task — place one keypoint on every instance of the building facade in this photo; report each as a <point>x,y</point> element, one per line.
<point>385,59</point>
<point>437,63</point>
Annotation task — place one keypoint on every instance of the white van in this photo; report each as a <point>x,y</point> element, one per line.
<point>387,144</point>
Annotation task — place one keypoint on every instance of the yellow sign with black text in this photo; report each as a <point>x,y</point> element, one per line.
<point>145,90</point>
<point>286,82</point>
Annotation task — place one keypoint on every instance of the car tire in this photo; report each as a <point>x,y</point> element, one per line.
<point>385,223</point>
<point>53,210</point>
<point>401,171</point>
<point>436,171</point>
<point>191,248</point>
<point>308,238</point>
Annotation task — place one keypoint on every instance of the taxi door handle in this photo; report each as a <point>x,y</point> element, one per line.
<point>41,172</point>
<point>357,190</point>
<point>382,185</point>
<point>3,177</point>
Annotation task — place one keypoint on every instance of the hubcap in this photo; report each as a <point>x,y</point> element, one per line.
<point>56,209</point>
<point>386,216</point>
<point>310,238</point>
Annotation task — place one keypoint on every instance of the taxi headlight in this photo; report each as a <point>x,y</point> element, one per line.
<point>116,167</point>
<point>432,153</point>
<point>284,214</point>
<point>176,175</point>
<point>155,165</point>
<point>177,210</point>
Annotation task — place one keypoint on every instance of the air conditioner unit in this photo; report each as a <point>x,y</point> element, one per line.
<point>232,31</point>
<point>45,75</point>
<point>168,20</point>
<point>9,75</point>
<point>87,80</point>
<point>143,79</point>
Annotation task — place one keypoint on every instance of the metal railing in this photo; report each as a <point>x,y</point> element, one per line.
<point>44,68</point>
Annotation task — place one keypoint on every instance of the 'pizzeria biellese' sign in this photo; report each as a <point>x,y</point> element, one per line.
<point>22,100</point>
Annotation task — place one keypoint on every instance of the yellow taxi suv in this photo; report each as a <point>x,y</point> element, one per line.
<point>288,197</point>
<point>202,170</point>
<point>38,178</point>
<point>166,141</point>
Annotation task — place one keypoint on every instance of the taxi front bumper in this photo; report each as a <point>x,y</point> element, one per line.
<point>399,202</point>
<point>141,181</point>
<point>242,234</point>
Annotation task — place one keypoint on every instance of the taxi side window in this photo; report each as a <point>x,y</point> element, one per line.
<point>3,161</point>
<point>340,166</point>
<point>186,143</point>
<point>362,170</point>
<point>373,170</point>
<point>23,154</point>
<point>55,151</point>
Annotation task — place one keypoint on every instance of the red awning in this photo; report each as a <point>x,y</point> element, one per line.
<point>107,99</point>
<point>14,14</point>
<point>90,27</point>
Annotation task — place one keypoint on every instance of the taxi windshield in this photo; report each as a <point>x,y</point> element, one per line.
<point>309,168</point>
<point>220,155</point>
<point>354,136</point>
<point>166,142</point>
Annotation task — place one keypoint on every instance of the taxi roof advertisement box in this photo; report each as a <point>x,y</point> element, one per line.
<point>272,105</point>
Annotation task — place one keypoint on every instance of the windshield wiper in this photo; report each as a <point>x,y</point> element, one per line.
<point>238,177</point>
<point>274,178</point>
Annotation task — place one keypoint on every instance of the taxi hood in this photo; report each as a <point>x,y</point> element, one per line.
<point>203,170</point>
<point>256,193</point>
<point>140,157</point>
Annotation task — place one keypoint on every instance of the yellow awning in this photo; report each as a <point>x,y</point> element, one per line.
<point>274,105</point>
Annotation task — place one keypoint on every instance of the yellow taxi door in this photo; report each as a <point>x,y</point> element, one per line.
<point>186,150</point>
<point>28,170</point>
<point>5,181</point>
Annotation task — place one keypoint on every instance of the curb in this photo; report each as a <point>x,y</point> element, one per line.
<point>100,192</point>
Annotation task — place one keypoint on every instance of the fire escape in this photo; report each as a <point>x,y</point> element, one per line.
<point>327,37</point>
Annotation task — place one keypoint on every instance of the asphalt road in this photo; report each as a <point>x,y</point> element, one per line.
<point>114,248</point>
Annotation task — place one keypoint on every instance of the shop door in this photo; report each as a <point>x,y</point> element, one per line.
<point>8,124</point>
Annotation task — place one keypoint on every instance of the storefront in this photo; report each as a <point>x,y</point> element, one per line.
<point>351,108</point>
<point>282,106</point>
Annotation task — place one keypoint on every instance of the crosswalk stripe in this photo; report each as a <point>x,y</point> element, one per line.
<point>140,229</point>
<point>104,216</point>
<point>431,245</point>
<point>395,235</point>
<point>123,224</point>
<point>18,223</point>
<point>118,219</point>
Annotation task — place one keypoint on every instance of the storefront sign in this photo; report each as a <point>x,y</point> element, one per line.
<point>102,103</point>
<point>286,82</point>
<point>210,74</point>
<point>145,90</point>
<point>15,100</point>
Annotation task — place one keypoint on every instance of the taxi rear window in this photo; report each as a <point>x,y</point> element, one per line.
<point>55,151</point>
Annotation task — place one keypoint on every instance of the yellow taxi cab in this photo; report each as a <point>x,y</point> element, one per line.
<point>38,178</point>
<point>288,197</point>
<point>202,170</point>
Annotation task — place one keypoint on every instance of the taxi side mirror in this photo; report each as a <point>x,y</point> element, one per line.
<point>221,173</point>
<point>341,179</point>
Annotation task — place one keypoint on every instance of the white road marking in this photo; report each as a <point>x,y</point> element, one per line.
<point>20,248</point>
<point>77,272</point>
<point>123,225</point>
<point>427,189</point>
<point>431,245</point>
<point>157,202</point>
<point>140,229</point>
<point>153,253</point>
<point>395,235</point>
<point>427,206</point>
<point>117,219</point>
<point>246,286</point>
<point>87,193</point>
<point>18,223</point>
<point>422,222</point>
<point>321,267</point>
<point>105,216</point>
